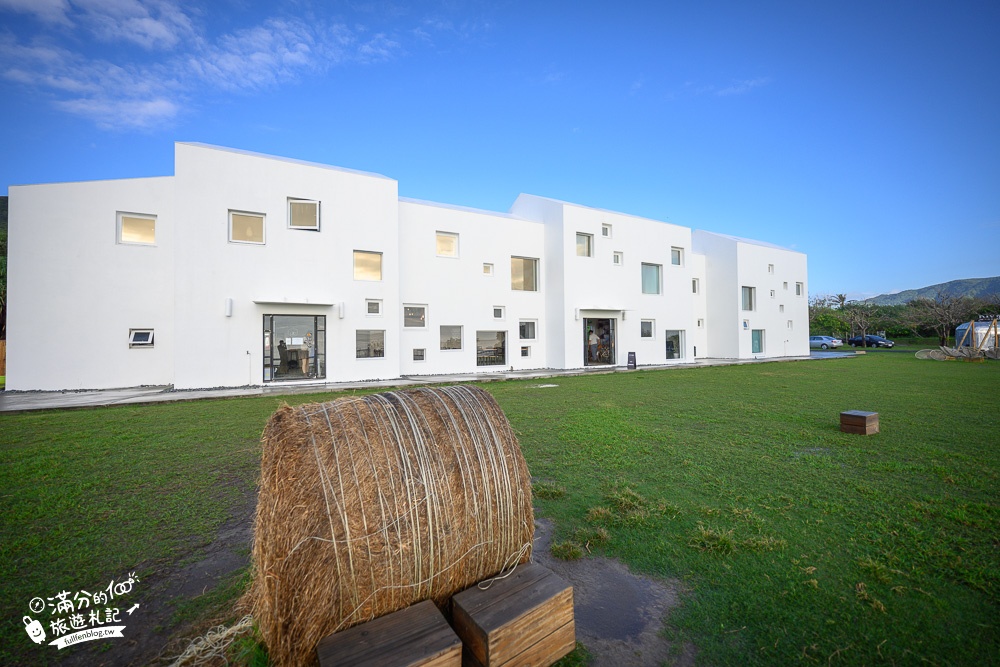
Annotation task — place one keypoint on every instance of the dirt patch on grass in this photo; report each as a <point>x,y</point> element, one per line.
<point>619,615</point>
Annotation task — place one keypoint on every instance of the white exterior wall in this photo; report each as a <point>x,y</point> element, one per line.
<point>74,291</point>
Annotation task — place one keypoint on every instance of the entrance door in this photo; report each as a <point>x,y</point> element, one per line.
<point>294,347</point>
<point>598,341</point>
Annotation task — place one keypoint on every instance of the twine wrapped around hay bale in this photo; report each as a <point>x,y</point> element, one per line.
<point>370,504</point>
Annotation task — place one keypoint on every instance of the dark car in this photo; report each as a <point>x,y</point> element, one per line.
<point>869,341</point>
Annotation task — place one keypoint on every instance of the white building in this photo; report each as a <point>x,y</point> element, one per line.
<point>246,269</point>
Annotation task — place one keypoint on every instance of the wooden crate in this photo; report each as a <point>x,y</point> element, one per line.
<point>524,620</point>
<point>857,421</point>
<point>417,636</point>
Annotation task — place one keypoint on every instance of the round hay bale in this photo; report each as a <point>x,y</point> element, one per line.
<point>370,504</point>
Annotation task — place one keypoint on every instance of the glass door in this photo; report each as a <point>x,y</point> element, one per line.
<point>599,341</point>
<point>294,347</point>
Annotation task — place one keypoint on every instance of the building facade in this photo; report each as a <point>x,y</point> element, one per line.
<point>246,269</point>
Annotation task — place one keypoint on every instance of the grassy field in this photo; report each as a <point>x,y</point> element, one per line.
<point>795,543</point>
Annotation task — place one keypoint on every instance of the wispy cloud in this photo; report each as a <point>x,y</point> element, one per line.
<point>175,61</point>
<point>742,87</point>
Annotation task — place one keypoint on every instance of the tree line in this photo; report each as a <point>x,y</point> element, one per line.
<point>835,315</point>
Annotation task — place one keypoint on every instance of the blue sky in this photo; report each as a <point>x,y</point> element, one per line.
<point>864,134</point>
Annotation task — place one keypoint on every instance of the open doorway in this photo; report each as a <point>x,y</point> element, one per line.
<point>294,347</point>
<point>598,341</point>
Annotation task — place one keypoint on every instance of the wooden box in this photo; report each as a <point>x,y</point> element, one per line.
<point>417,636</point>
<point>856,421</point>
<point>525,619</point>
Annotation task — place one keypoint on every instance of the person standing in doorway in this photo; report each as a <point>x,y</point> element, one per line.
<point>308,350</point>
<point>593,341</point>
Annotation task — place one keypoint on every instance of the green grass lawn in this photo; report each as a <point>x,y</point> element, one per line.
<point>795,543</point>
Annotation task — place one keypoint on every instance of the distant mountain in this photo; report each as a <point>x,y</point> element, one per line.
<point>983,288</point>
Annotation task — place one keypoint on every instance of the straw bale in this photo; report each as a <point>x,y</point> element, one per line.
<point>370,504</point>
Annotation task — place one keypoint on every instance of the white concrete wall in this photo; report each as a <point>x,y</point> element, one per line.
<point>457,292</point>
<point>296,272</point>
<point>74,291</point>
<point>722,294</point>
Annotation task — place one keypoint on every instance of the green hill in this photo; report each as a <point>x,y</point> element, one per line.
<point>983,288</point>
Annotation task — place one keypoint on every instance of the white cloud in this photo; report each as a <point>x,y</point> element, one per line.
<point>117,113</point>
<point>49,11</point>
<point>742,87</point>
<point>151,24</point>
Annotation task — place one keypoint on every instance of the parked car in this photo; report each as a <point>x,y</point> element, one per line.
<point>824,342</point>
<point>869,341</point>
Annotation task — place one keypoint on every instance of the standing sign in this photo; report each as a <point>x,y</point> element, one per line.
<point>631,361</point>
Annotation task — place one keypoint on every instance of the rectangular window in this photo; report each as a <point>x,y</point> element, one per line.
<point>799,289</point>
<point>677,256</point>
<point>675,344</point>
<point>415,316</point>
<point>525,351</point>
<point>772,294</point>
<point>650,278</point>
<point>451,337</point>
<point>367,265</point>
<point>140,338</point>
<point>757,341</point>
<point>246,227</point>
<point>498,312</point>
<point>749,298</point>
<point>447,244</point>
<point>694,285</point>
<point>418,354</point>
<point>487,269</point>
<point>646,329</point>
<point>491,348</point>
<point>770,268</point>
<point>137,228</point>
<point>526,330</point>
<point>789,325</point>
<point>606,231</point>
<point>373,306</point>
<point>781,308</point>
<point>784,285</point>
<point>524,274</point>
<point>369,344</point>
<point>618,259</point>
<point>701,323</point>
<point>303,214</point>
<point>584,245</point>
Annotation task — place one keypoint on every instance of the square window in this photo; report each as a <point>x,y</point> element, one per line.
<point>373,306</point>
<point>487,269</point>
<point>369,344</point>
<point>526,330</point>
<point>418,354</point>
<point>677,256</point>
<point>140,338</point>
<point>618,258</point>
<point>525,351</point>
<point>749,298</point>
<point>498,312</point>
<point>584,245</point>
<point>447,244</point>
<point>367,265</point>
<point>246,227</point>
<point>303,214</point>
<point>415,317</point>
<point>137,228</point>
<point>451,337</point>
<point>524,274</point>
<point>675,344</point>
<point>491,348</point>
<point>650,278</point>
<point>606,231</point>
<point>646,329</point>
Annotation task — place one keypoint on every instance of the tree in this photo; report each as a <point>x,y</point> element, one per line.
<point>944,313</point>
<point>860,317</point>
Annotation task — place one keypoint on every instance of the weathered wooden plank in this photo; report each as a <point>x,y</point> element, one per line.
<point>859,422</point>
<point>417,636</point>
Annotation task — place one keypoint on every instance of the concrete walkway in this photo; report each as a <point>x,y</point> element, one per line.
<point>22,401</point>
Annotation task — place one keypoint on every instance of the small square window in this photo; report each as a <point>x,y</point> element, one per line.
<point>526,330</point>
<point>415,317</point>
<point>418,354</point>
<point>447,244</point>
<point>524,274</point>
<point>487,269</point>
<point>606,231</point>
<point>303,214</point>
<point>140,338</point>
<point>373,306</point>
<point>246,227</point>
<point>646,329</point>
<point>137,228</point>
<point>367,265</point>
<point>498,312</point>
<point>525,350</point>
<point>584,245</point>
<point>677,256</point>
<point>618,258</point>
<point>451,337</point>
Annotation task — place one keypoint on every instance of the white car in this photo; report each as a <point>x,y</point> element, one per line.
<point>824,342</point>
